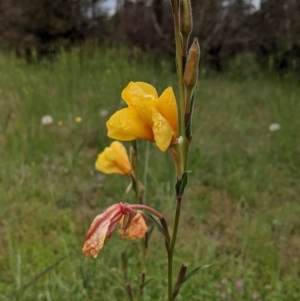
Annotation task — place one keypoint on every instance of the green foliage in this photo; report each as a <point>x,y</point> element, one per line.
<point>243,67</point>
<point>241,209</point>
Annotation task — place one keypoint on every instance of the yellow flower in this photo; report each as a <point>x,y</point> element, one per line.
<point>136,229</point>
<point>147,116</point>
<point>114,159</point>
<point>78,119</point>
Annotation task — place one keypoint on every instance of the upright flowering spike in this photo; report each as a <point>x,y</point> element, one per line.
<point>102,227</point>
<point>114,159</point>
<point>147,116</point>
<point>136,229</point>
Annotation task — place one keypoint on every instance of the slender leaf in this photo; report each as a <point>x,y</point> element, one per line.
<point>194,271</point>
<point>189,275</point>
<point>156,223</point>
<point>188,130</point>
<point>181,184</point>
<point>145,283</point>
<point>148,235</point>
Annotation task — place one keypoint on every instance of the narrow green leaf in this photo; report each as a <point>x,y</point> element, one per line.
<point>185,180</point>
<point>156,223</point>
<point>194,271</point>
<point>181,184</point>
<point>145,283</point>
<point>188,130</point>
<point>177,187</point>
<point>148,235</point>
<point>189,275</point>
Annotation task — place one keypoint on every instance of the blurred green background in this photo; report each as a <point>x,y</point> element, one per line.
<point>241,209</point>
<point>240,214</point>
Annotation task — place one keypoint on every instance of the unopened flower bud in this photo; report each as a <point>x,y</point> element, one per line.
<point>186,20</point>
<point>190,75</point>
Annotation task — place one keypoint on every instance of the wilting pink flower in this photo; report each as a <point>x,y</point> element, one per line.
<point>103,225</point>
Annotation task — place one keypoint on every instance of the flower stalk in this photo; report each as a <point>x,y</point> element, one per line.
<point>187,77</point>
<point>125,275</point>
<point>154,118</point>
<point>135,177</point>
<point>139,200</point>
<point>179,64</point>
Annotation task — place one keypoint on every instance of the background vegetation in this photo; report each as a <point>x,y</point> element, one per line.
<point>241,212</point>
<point>71,59</point>
<point>39,29</point>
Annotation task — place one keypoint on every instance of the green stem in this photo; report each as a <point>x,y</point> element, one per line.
<point>179,63</point>
<point>172,247</point>
<point>144,200</point>
<point>143,269</point>
<point>170,276</point>
<point>134,163</point>
<point>176,224</point>
<point>139,200</point>
<point>188,97</point>
<point>187,117</point>
<point>125,275</point>
<point>143,241</point>
<point>184,51</point>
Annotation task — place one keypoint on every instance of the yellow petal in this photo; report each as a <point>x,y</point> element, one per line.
<point>122,157</point>
<point>126,125</point>
<point>114,159</point>
<point>162,131</point>
<point>105,163</point>
<point>141,102</point>
<point>147,117</point>
<point>167,107</point>
<point>148,89</point>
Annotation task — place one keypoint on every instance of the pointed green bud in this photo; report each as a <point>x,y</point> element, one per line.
<point>186,20</point>
<point>190,75</point>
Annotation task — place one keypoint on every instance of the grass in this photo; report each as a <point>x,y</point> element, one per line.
<point>241,211</point>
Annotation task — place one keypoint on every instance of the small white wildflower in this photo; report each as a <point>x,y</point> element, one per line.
<point>103,113</point>
<point>46,119</point>
<point>273,127</point>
